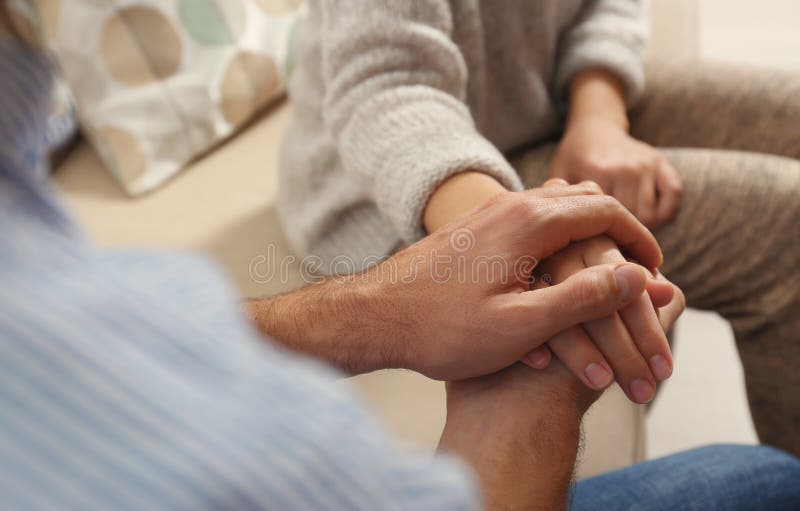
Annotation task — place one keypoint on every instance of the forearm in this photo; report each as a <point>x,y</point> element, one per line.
<point>337,321</point>
<point>517,473</point>
<point>597,95</point>
<point>524,453</point>
<point>457,196</point>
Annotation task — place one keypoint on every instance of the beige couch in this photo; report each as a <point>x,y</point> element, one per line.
<point>223,205</point>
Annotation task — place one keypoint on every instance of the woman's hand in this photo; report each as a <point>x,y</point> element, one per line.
<point>630,344</point>
<point>636,174</point>
<point>597,146</point>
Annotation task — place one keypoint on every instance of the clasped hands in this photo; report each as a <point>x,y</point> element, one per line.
<point>603,317</point>
<point>595,318</point>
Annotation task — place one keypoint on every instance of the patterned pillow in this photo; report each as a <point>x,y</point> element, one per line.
<point>158,82</point>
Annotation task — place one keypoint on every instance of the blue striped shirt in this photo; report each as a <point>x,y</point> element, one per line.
<point>130,380</point>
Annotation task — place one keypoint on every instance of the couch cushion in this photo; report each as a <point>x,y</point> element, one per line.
<point>156,84</point>
<point>222,205</point>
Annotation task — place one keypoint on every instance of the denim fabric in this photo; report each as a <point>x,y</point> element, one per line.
<point>722,477</point>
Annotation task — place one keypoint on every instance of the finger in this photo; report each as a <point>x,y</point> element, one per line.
<point>557,222</point>
<point>669,185</point>
<point>576,351</point>
<point>640,322</point>
<point>541,356</point>
<point>538,358</point>
<point>645,329</point>
<point>559,188</point>
<point>670,313</point>
<point>589,294</point>
<point>646,200</point>
<point>625,188</point>
<point>661,290</point>
<point>611,336</point>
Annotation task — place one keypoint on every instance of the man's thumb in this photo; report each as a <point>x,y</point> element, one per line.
<point>590,294</point>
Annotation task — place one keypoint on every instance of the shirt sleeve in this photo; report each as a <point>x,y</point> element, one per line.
<point>395,102</point>
<point>609,34</point>
<point>131,381</point>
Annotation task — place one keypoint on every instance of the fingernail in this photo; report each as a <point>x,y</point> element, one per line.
<point>642,390</point>
<point>536,359</point>
<point>628,277</point>
<point>660,367</point>
<point>597,375</point>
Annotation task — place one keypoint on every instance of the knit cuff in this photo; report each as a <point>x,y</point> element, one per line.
<point>412,140</point>
<point>619,57</point>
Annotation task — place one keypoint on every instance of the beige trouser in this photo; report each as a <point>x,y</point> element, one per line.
<point>733,133</point>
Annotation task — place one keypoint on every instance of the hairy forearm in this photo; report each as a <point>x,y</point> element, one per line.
<point>523,453</point>
<point>334,320</point>
<point>596,94</point>
<point>529,472</point>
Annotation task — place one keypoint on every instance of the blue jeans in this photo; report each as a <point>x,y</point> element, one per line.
<point>724,477</point>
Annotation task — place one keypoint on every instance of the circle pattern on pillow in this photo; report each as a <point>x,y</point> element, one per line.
<point>158,82</point>
<point>134,60</point>
<point>250,79</point>
<point>212,22</point>
<point>129,158</point>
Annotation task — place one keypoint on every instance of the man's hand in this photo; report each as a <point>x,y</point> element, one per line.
<point>519,430</point>
<point>596,146</point>
<point>458,303</point>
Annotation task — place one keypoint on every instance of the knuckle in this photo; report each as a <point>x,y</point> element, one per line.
<point>657,160</point>
<point>652,336</point>
<point>596,166</point>
<point>526,207</point>
<point>556,181</point>
<point>634,169</point>
<point>610,203</point>
<point>590,187</point>
<point>630,364</point>
<point>593,289</point>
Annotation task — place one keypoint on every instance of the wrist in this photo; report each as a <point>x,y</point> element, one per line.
<point>519,429</point>
<point>597,95</point>
<point>595,122</point>
<point>457,196</point>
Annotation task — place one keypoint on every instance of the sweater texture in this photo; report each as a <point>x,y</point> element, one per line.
<point>392,97</point>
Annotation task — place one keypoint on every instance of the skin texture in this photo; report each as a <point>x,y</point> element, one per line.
<point>524,455</point>
<point>597,146</point>
<point>517,427</point>
<point>407,301</point>
<point>611,356</point>
<point>596,138</point>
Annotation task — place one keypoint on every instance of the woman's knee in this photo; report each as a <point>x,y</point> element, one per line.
<point>761,476</point>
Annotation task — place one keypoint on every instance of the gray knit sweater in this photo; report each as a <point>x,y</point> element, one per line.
<point>391,97</point>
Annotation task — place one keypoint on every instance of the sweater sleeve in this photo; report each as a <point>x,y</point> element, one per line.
<point>609,34</point>
<point>395,103</point>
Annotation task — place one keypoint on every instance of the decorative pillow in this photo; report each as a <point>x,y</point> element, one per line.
<point>158,82</point>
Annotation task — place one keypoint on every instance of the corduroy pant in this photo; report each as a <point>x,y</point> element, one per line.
<point>733,133</point>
